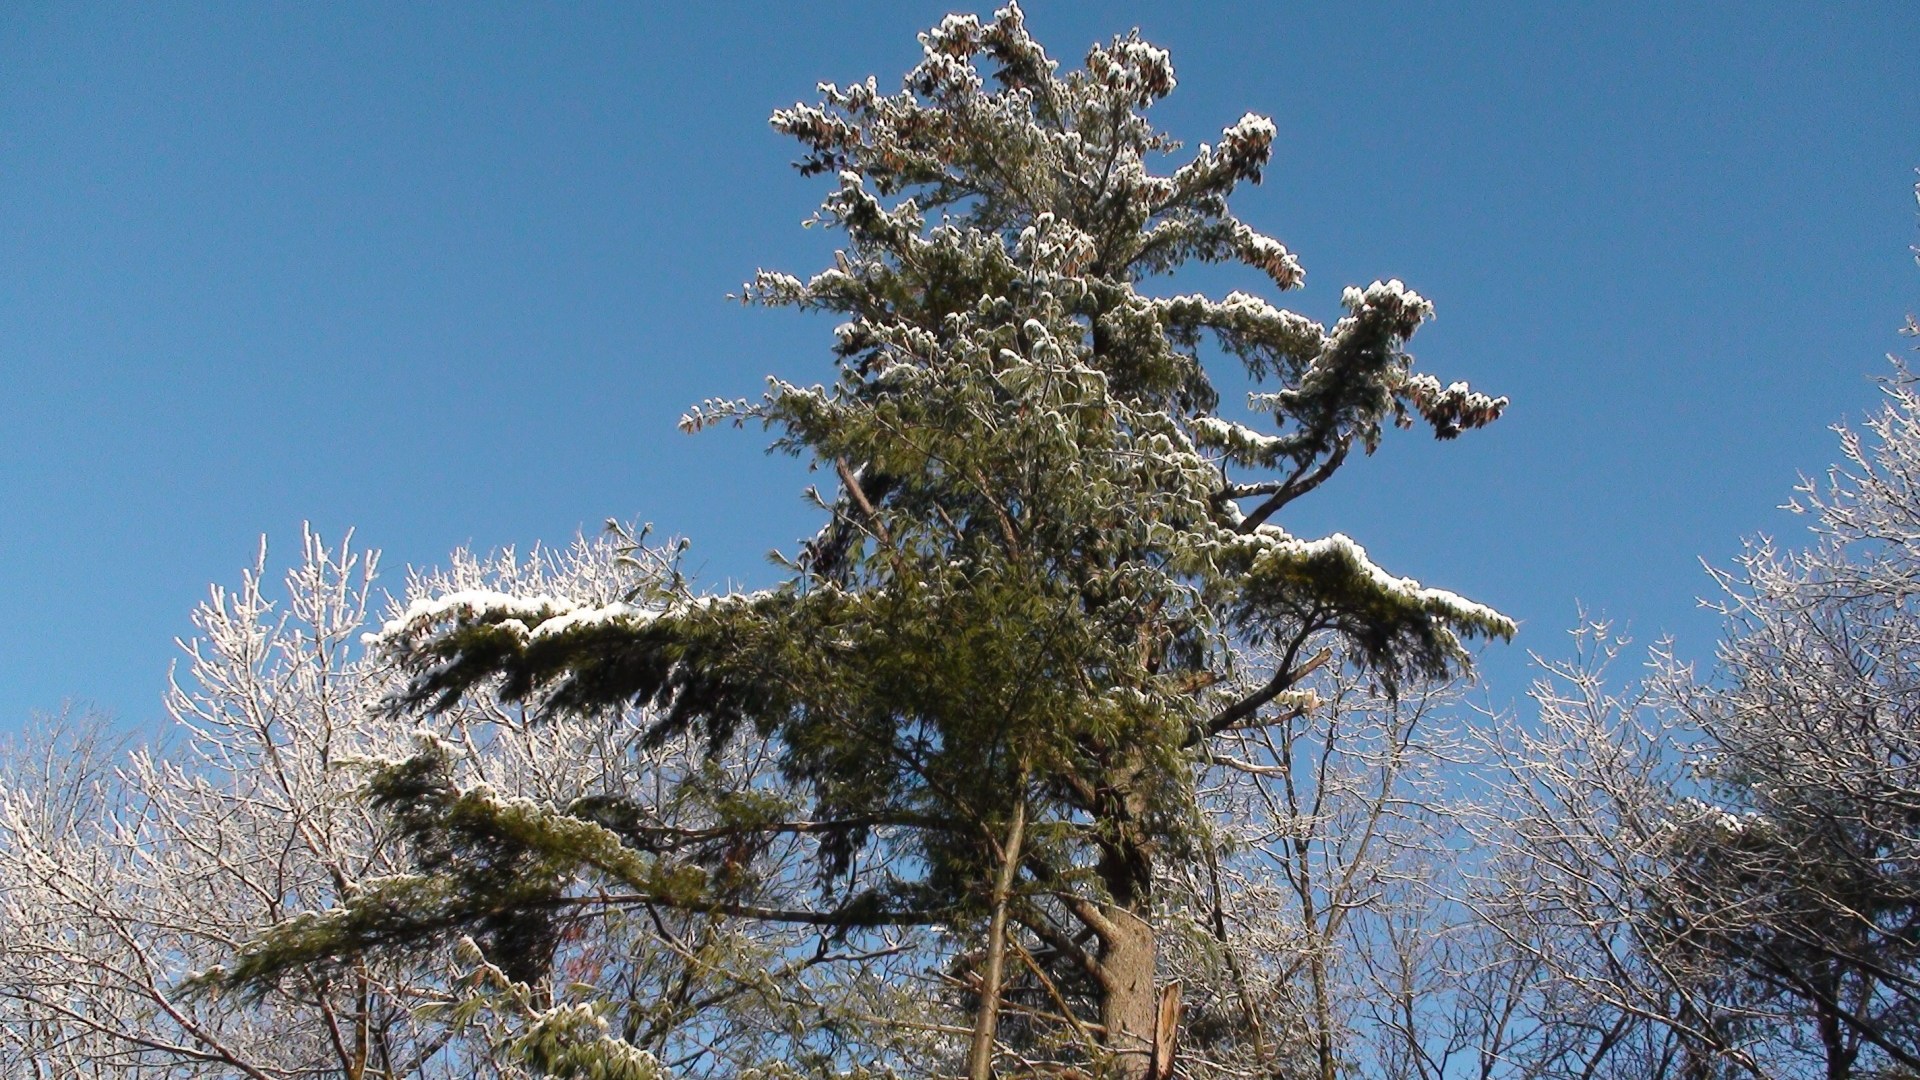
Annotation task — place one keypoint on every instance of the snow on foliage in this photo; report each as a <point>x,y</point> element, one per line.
<point>530,617</point>
<point>1278,550</point>
<point>1046,555</point>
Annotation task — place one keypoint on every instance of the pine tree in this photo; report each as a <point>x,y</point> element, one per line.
<point>996,669</point>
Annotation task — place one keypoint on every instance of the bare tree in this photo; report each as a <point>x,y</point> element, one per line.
<point>1577,831</point>
<point>1319,936</point>
<point>1735,859</point>
<point>125,872</point>
<point>170,862</point>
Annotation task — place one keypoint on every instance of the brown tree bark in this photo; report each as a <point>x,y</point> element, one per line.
<point>1129,1005</point>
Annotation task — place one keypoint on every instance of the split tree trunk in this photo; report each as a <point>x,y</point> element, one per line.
<point>1130,1007</point>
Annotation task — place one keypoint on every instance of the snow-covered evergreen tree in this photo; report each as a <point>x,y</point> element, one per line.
<point>997,670</point>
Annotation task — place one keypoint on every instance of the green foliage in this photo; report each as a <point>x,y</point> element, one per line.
<point>493,867</point>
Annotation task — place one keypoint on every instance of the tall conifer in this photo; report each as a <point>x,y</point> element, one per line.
<point>999,664</point>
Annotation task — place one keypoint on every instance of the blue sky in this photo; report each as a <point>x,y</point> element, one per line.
<point>447,274</point>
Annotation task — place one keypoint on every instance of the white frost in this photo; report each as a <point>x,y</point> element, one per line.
<point>1392,292</point>
<point>595,616</point>
<point>1238,437</point>
<point>1252,127</point>
<point>469,602</point>
<point>529,617</point>
<point>1279,545</point>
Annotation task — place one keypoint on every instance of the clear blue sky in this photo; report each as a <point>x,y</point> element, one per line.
<point>447,274</point>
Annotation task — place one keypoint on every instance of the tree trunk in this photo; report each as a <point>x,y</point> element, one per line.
<point>986,1023</point>
<point>1129,1008</point>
